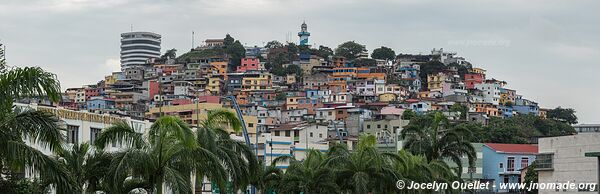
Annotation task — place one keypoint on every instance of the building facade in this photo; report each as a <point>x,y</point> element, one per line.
<point>138,47</point>
<point>563,159</point>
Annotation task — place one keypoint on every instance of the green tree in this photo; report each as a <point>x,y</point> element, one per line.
<point>2,59</point>
<point>235,52</point>
<point>281,96</point>
<point>87,166</point>
<point>460,108</point>
<point>170,54</point>
<point>273,44</point>
<point>351,50</point>
<point>267,177</point>
<point>294,69</point>
<point>383,53</point>
<point>432,136</point>
<point>365,62</point>
<point>323,52</point>
<point>312,175</point>
<point>416,168</point>
<point>566,115</point>
<point>228,40</point>
<point>172,152</point>
<point>408,114</point>
<point>531,176</point>
<point>427,68</point>
<point>363,170</point>
<point>522,129</point>
<point>41,128</point>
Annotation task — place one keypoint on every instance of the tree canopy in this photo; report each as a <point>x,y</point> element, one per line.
<point>350,50</point>
<point>566,115</point>
<point>383,53</point>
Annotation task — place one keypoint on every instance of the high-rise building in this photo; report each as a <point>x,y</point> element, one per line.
<point>303,34</point>
<point>138,47</point>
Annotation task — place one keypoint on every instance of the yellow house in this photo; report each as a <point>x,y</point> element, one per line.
<point>191,113</point>
<point>387,97</point>
<point>478,70</point>
<point>262,82</point>
<point>291,79</point>
<point>215,84</point>
<point>220,67</point>
<point>110,79</point>
<point>434,81</point>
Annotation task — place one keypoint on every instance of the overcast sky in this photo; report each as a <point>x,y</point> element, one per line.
<point>546,50</point>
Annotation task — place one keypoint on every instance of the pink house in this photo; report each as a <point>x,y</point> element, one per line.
<point>472,78</point>
<point>248,64</point>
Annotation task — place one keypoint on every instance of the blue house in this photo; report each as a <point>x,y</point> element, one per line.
<point>100,104</point>
<point>524,106</point>
<point>502,163</point>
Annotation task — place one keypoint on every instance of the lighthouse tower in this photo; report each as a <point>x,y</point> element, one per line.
<point>303,34</point>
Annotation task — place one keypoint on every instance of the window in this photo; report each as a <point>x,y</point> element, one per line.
<point>378,126</point>
<point>276,133</point>
<point>368,126</point>
<point>320,135</point>
<point>510,164</point>
<point>501,165</point>
<point>72,134</point>
<point>544,161</point>
<point>311,134</point>
<point>94,133</point>
<point>250,124</point>
<point>329,113</point>
<point>287,133</point>
<point>524,162</point>
<point>506,179</point>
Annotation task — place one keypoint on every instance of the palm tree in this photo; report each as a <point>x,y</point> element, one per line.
<point>266,177</point>
<point>364,170</point>
<point>311,175</point>
<point>165,157</point>
<point>171,153</point>
<point>38,128</point>
<point>87,166</point>
<point>431,136</point>
<point>236,158</point>
<point>418,169</point>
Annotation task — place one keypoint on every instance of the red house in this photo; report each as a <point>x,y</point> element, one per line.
<point>473,78</point>
<point>248,64</point>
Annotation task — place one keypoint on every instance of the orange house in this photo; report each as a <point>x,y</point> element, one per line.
<point>220,67</point>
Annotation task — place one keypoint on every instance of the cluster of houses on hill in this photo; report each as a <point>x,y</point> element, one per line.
<point>331,99</point>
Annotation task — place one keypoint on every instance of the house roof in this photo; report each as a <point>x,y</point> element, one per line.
<point>513,148</point>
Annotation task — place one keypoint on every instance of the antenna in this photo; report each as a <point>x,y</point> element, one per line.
<point>192,39</point>
<point>131,27</point>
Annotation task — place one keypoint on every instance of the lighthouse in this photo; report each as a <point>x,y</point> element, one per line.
<point>303,34</point>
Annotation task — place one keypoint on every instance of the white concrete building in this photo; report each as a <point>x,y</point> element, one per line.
<point>84,126</point>
<point>587,128</point>
<point>490,92</point>
<point>138,47</point>
<point>563,159</point>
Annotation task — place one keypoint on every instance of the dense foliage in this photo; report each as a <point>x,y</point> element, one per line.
<point>41,128</point>
<point>362,170</point>
<point>566,115</point>
<point>383,53</point>
<point>350,50</point>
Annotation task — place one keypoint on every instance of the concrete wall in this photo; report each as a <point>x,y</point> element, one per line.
<point>569,161</point>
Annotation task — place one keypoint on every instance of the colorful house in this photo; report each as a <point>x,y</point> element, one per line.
<point>502,163</point>
<point>249,64</point>
<point>472,78</point>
